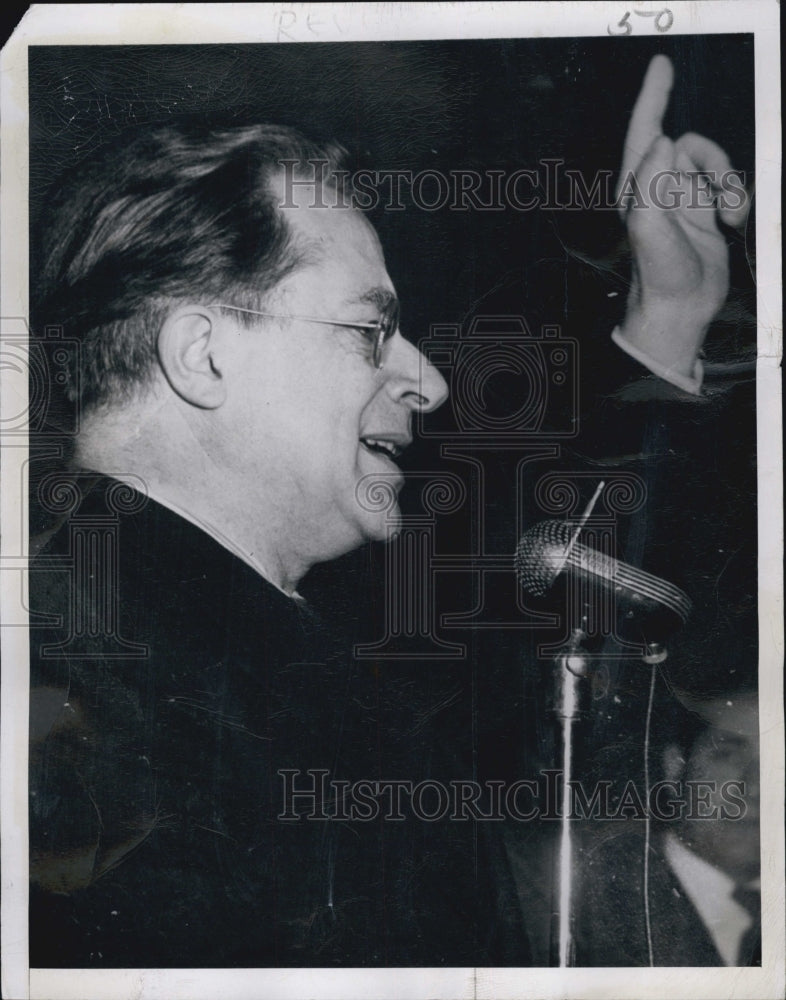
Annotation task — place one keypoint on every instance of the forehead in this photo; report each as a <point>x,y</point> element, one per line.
<point>722,745</point>
<point>341,247</point>
<point>738,714</point>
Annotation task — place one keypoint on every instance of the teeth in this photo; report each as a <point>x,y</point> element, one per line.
<point>388,446</point>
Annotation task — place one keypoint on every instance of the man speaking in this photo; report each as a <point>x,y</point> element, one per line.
<point>241,378</point>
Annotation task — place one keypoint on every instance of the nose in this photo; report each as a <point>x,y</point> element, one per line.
<point>750,776</point>
<point>411,378</point>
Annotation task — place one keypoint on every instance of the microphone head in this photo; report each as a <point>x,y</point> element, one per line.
<point>540,555</point>
<point>601,587</point>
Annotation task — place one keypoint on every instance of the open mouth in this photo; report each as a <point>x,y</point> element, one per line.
<point>382,446</point>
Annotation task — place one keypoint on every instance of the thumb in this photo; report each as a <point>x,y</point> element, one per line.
<point>727,184</point>
<point>697,192</point>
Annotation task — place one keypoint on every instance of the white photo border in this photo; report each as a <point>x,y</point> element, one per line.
<point>150,24</point>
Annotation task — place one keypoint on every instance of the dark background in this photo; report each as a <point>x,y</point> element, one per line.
<point>9,19</point>
<point>496,105</point>
<point>414,105</point>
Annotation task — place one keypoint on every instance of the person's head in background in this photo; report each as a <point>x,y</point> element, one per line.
<point>717,745</point>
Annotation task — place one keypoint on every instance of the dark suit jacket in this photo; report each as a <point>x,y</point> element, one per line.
<point>170,687</point>
<point>160,730</point>
<point>611,926</point>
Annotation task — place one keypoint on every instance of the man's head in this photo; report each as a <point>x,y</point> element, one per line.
<point>200,298</point>
<point>142,226</point>
<point>722,748</point>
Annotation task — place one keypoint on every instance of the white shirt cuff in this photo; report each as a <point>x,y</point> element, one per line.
<point>685,382</point>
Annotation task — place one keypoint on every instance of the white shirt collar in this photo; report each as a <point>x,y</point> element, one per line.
<point>710,890</point>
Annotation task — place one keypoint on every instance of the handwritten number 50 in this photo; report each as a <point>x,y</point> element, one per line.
<point>663,21</point>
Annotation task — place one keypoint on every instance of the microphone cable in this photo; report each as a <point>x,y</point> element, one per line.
<point>648,816</point>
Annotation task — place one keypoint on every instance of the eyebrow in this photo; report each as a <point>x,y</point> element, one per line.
<point>379,297</point>
<point>723,738</point>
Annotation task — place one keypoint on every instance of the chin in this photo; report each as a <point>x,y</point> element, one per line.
<point>379,527</point>
<point>376,512</point>
<point>383,527</point>
<point>736,853</point>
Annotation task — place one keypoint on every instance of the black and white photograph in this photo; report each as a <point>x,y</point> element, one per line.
<point>392,526</point>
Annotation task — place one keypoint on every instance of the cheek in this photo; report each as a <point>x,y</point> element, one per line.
<point>718,769</point>
<point>311,418</point>
<point>329,457</point>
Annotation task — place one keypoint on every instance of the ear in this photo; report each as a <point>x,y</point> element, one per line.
<point>187,351</point>
<point>673,762</point>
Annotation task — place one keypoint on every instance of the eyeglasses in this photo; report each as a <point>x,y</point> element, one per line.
<point>381,330</point>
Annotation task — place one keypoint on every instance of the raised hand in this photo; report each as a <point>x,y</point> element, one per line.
<point>671,194</point>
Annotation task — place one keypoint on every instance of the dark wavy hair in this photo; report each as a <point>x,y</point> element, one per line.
<point>177,213</point>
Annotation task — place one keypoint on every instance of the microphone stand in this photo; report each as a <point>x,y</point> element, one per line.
<point>535,560</point>
<point>571,665</point>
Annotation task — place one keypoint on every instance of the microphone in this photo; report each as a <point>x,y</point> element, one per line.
<point>550,550</point>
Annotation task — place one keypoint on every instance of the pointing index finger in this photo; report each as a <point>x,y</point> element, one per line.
<point>646,120</point>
